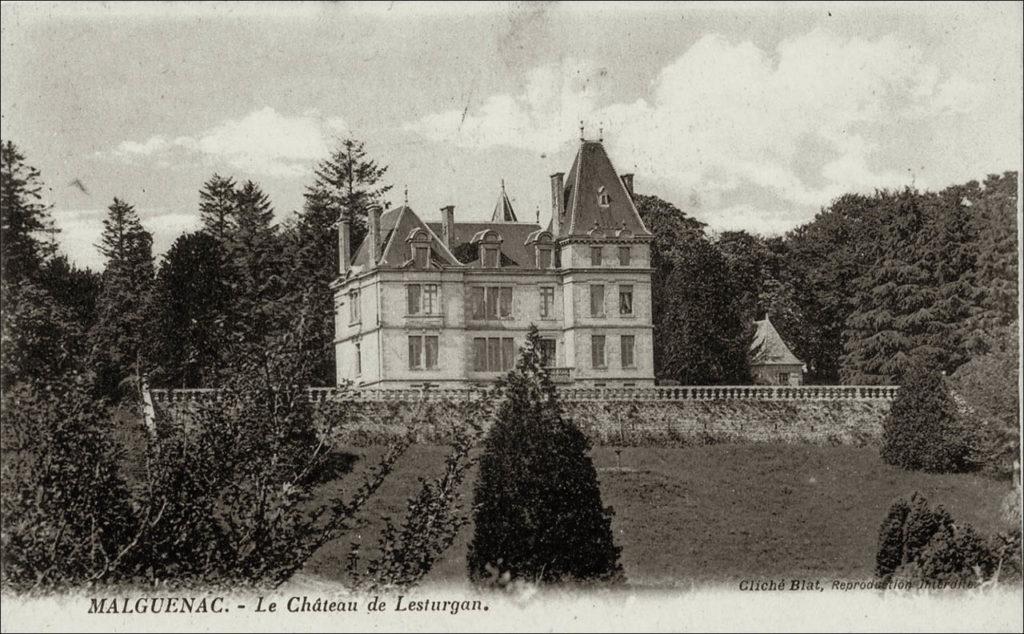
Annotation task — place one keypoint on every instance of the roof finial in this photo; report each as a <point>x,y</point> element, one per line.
<point>581,129</point>
<point>406,195</point>
<point>503,185</point>
<point>538,214</point>
<point>600,134</point>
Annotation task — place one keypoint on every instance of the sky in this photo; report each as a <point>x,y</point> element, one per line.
<point>746,116</point>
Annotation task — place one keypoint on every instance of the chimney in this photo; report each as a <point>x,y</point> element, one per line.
<point>627,181</point>
<point>557,203</point>
<point>374,235</point>
<point>344,237</point>
<point>448,226</point>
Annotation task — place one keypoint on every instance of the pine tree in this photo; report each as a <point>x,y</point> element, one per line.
<point>118,339</point>
<point>537,506</point>
<point>997,257</point>
<point>255,265</point>
<point>24,218</point>
<point>347,182</point>
<point>217,200</point>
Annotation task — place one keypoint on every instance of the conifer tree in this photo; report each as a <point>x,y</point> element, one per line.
<point>118,339</point>
<point>217,200</point>
<point>348,182</point>
<point>893,302</point>
<point>997,257</point>
<point>922,431</point>
<point>24,217</point>
<point>537,506</point>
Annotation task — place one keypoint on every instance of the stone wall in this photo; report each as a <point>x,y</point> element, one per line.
<point>833,420</point>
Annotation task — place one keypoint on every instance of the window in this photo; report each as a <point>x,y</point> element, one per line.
<point>353,306</point>
<point>547,302</point>
<point>597,351</point>
<point>595,256</point>
<point>603,198</point>
<point>493,354</point>
<point>783,378</point>
<point>421,299</point>
<point>597,300</point>
<point>548,349</point>
<point>491,257</point>
<point>627,345</point>
<point>359,359</point>
<point>421,256</point>
<point>423,352</point>
<point>623,256</point>
<point>625,300</point>
<point>543,258</point>
<point>491,302</point>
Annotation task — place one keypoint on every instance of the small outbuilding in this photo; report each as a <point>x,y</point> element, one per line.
<point>771,360</point>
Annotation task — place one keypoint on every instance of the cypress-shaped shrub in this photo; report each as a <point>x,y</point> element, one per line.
<point>537,506</point>
<point>922,430</point>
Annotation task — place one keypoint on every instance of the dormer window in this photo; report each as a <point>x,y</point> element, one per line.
<point>489,243</point>
<point>543,247</point>
<point>419,248</point>
<point>603,199</point>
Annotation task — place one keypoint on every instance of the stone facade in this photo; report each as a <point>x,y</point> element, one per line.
<point>447,304</point>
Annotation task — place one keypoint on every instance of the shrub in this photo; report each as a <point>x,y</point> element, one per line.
<point>986,392</point>
<point>67,512</point>
<point>537,506</point>
<point>923,544</point>
<point>922,430</point>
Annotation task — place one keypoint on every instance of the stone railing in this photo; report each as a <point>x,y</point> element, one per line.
<point>573,394</point>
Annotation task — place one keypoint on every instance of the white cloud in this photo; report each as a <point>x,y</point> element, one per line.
<point>803,123</point>
<point>264,142</point>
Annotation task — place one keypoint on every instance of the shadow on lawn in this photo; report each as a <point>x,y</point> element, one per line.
<point>335,465</point>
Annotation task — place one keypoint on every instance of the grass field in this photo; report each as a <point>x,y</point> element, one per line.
<point>717,514</point>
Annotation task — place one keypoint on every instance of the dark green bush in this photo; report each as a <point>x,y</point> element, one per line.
<point>922,430</point>
<point>919,543</point>
<point>537,506</point>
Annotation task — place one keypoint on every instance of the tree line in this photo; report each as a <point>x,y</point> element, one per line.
<point>872,281</point>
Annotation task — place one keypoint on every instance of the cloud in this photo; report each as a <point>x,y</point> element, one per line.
<point>264,142</point>
<point>803,123</point>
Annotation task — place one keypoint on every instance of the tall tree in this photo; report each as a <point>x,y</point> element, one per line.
<point>191,298</point>
<point>217,201</point>
<point>699,331</point>
<point>256,268</point>
<point>997,258</point>
<point>118,337</point>
<point>348,182</point>
<point>24,217</point>
<point>827,255</point>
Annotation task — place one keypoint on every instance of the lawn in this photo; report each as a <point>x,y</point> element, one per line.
<point>720,513</point>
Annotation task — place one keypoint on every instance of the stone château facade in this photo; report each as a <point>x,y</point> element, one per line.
<point>448,304</point>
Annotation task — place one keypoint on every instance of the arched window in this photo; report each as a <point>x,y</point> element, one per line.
<point>603,199</point>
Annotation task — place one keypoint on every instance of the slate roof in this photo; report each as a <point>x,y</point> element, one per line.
<point>395,226</point>
<point>513,240</point>
<point>591,174</point>
<point>769,348</point>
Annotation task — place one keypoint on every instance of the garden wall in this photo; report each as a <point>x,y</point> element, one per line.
<point>848,420</point>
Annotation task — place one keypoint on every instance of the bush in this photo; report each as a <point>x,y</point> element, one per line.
<point>986,392</point>
<point>67,513</point>
<point>537,506</point>
<point>923,544</point>
<point>922,430</point>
